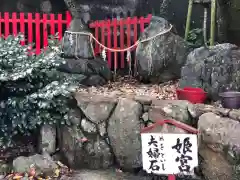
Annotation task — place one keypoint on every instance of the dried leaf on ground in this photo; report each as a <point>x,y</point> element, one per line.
<point>125,86</point>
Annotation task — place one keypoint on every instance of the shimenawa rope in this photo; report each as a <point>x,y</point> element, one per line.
<point>112,49</point>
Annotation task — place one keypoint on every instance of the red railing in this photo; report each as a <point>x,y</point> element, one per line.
<point>37,27</point>
<point>128,34</point>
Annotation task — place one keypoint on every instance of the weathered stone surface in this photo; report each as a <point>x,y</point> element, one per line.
<point>219,137</point>
<point>47,139</point>
<point>42,164</point>
<point>99,11</point>
<point>160,59</point>
<point>146,108</point>
<point>214,69</point>
<point>200,109</point>
<point>234,114</point>
<point>95,107</point>
<point>103,175</point>
<point>219,130</point>
<point>77,45</point>
<point>99,154</point>
<point>166,128</point>
<point>102,127</point>
<point>94,80</point>
<point>214,165</point>
<point>93,154</point>
<point>75,116</point>
<point>87,68</point>
<point>145,117</point>
<point>145,100</point>
<point>4,169</point>
<point>88,126</point>
<point>175,109</point>
<point>124,133</point>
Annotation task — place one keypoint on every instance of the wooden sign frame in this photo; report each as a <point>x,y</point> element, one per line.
<point>175,123</point>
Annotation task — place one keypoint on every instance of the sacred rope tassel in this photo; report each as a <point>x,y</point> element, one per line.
<point>129,60</point>
<point>104,56</point>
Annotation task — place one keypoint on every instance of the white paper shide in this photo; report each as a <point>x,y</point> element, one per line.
<point>169,153</point>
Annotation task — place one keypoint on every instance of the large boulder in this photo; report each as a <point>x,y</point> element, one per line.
<point>160,59</point>
<point>214,69</point>
<point>179,110</point>
<point>96,71</point>
<point>43,164</point>
<point>96,107</point>
<point>91,154</point>
<point>124,133</point>
<point>84,143</point>
<point>219,147</point>
<point>74,44</point>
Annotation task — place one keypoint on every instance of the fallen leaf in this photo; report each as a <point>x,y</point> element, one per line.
<point>32,172</point>
<point>125,86</point>
<point>83,139</point>
<point>57,173</point>
<point>17,177</point>
<point>9,176</point>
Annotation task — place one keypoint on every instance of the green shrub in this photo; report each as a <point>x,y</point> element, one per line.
<point>33,91</point>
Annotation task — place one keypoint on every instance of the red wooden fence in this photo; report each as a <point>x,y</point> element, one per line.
<point>37,27</point>
<point>123,27</point>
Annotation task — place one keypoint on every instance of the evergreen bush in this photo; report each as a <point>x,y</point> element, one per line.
<point>32,91</point>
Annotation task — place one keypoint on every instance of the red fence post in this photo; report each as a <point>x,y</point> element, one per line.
<point>45,31</point>
<point>22,27</point>
<point>141,22</point>
<point>60,23</point>
<point>52,24</point>
<point>6,23</point>
<point>1,20</point>
<point>135,35</point>
<point>38,35</point>
<point>115,35</point>
<point>97,49</point>
<point>103,29</point>
<point>30,29</point>
<point>95,25</point>
<point>122,38</point>
<point>109,42</point>
<point>128,23</point>
<point>14,24</point>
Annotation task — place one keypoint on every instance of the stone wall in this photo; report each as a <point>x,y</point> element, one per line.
<point>105,132</point>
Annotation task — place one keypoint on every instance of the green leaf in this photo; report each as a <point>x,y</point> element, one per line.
<point>33,91</point>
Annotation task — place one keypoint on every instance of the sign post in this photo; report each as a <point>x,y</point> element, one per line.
<point>169,154</point>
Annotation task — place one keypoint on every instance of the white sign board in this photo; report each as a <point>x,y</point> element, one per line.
<point>169,153</point>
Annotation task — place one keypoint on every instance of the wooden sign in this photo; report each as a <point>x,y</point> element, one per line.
<point>169,154</point>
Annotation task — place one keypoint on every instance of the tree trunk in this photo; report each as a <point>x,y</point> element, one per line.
<point>76,45</point>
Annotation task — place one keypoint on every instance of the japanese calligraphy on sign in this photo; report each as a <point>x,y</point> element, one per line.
<point>169,153</point>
